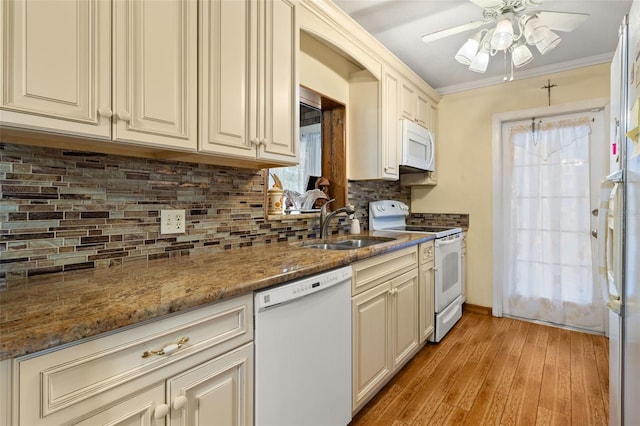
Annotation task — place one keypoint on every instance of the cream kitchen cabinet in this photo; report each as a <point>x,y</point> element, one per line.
<point>217,391</point>
<point>64,55</point>
<point>56,67</point>
<point>248,80</point>
<point>426,290</point>
<point>463,276</point>
<point>384,319</point>
<point>415,106</point>
<point>374,148</point>
<point>190,367</point>
<point>155,73</point>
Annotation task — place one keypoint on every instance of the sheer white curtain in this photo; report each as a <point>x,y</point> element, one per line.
<point>296,177</point>
<point>548,258</point>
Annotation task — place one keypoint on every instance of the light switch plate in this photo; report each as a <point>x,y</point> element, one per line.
<point>172,221</point>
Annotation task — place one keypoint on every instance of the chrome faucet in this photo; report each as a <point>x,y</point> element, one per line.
<point>326,218</point>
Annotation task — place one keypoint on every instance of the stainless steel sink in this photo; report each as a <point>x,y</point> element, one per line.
<point>349,244</point>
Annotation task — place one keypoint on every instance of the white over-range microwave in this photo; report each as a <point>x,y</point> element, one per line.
<point>418,147</point>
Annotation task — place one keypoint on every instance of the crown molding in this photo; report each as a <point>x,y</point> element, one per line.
<point>533,72</point>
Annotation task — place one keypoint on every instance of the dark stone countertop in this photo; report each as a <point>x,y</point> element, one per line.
<point>46,311</point>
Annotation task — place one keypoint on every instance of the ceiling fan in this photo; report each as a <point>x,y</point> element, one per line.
<point>517,24</point>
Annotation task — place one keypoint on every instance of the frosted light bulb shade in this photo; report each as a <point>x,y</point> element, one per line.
<point>480,62</point>
<point>467,52</point>
<point>521,56</point>
<point>535,31</point>
<point>548,43</point>
<point>502,36</point>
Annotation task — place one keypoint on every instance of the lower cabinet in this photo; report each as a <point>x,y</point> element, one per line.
<point>221,389</point>
<point>426,291</point>
<point>218,391</point>
<point>191,368</point>
<point>385,322</point>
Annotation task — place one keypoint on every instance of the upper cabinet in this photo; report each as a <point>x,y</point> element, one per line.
<point>248,80</point>
<point>155,72</point>
<point>210,81</point>
<point>415,105</point>
<point>63,57</point>
<point>56,67</point>
<point>374,151</point>
<point>390,125</point>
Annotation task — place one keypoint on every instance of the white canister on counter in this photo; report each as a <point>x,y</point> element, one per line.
<point>355,225</point>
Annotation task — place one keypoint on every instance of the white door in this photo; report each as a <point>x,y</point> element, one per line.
<point>155,55</point>
<point>227,41</point>
<point>218,392</point>
<point>372,364</point>
<point>404,293</point>
<point>56,65</point>
<point>551,177</point>
<point>141,409</point>
<point>278,112</point>
<point>390,126</point>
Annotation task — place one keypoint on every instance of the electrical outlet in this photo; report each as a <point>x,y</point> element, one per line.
<point>172,221</point>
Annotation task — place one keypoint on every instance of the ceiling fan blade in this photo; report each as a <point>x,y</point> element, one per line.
<point>488,3</point>
<point>562,21</point>
<point>453,30</point>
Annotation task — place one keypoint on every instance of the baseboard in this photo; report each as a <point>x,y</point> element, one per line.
<point>476,309</point>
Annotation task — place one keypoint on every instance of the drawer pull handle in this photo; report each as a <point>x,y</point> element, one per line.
<point>167,349</point>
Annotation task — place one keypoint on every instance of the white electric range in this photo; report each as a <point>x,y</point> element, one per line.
<point>390,215</point>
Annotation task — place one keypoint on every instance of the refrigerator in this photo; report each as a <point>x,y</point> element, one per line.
<point>621,222</point>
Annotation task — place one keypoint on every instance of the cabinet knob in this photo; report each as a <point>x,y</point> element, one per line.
<point>255,142</point>
<point>123,116</point>
<point>264,142</point>
<point>161,411</point>
<point>105,112</point>
<point>180,402</point>
<point>393,291</point>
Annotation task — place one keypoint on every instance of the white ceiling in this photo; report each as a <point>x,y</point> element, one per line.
<point>400,24</point>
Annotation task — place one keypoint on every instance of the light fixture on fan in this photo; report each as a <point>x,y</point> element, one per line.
<point>529,31</point>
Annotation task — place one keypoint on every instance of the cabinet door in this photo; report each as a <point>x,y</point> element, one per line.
<point>217,392</point>
<point>137,410</point>
<point>227,41</point>
<point>56,65</point>
<point>372,364</point>
<point>404,291</point>
<point>425,295</point>
<point>278,110</point>
<point>423,111</point>
<point>408,103</point>
<point>155,55</point>
<point>390,127</point>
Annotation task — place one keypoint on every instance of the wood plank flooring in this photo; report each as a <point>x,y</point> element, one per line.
<point>498,371</point>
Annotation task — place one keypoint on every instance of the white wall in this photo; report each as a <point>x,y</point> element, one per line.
<point>464,156</point>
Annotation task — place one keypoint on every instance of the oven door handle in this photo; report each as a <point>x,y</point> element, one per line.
<point>441,242</point>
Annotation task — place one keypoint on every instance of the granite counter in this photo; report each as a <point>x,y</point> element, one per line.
<point>47,311</point>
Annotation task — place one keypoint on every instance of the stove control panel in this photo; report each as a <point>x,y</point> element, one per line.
<point>388,208</point>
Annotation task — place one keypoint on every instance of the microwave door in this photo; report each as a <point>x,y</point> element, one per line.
<point>418,149</point>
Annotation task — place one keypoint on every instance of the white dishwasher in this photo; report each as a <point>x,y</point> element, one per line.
<point>303,352</point>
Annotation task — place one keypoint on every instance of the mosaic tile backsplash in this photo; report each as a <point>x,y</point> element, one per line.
<point>66,210</point>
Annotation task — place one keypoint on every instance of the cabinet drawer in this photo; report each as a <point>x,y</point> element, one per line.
<point>371,272</point>
<point>426,251</point>
<point>80,378</point>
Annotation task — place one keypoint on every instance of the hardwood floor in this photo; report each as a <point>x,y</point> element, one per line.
<point>498,371</point>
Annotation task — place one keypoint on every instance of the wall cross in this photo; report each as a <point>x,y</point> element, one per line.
<point>548,87</point>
